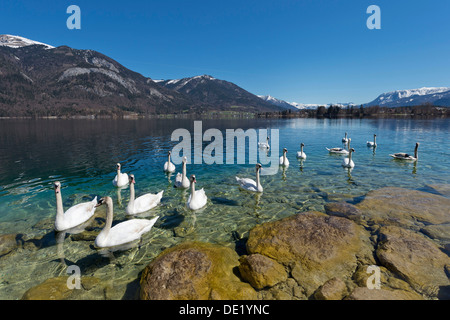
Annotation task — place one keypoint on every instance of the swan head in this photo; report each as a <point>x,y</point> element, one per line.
<point>105,200</point>
<point>192,179</point>
<point>284,150</point>
<point>417,144</point>
<point>184,160</point>
<point>258,167</point>
<point>302,144</point>
<point>118,166</point>
<point>57,186</point>
<point>169,153</point>
<point>352,150</point>
<point>131,178</point>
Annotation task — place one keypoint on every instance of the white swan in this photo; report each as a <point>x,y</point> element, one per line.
<point>74,216</point>
<point>283,159</point>
<point>348,162</point>
<point>143,203</point>
<point>405,156</point>
<point>169,166</point>
<point>372,144</point>
<point>301,154</point>
<point>340,150</point>
<point>250,184</point>
<point>337,150</point>
<point>345,139</point>
<point>197,199</point>
<point>121,179</point>
<point>264,145</point>
<point>181,180</point>
<point>123,232</point>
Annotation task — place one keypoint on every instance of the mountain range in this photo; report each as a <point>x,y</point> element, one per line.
<point>41,80</point>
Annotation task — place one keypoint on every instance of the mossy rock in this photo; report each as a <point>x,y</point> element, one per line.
<point>314,246</point>
<point>195,271</point>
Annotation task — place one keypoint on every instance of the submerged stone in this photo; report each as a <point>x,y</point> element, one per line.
<point>406,208</point>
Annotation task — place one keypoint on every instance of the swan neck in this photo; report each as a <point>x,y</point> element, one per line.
<point>59,205</point>
<point>192,190</point>
<point>416,152</point>
<point>184,170</point>
<point>301,149</point>
<point>109,218</point>
<point>132,195</point>
<point>350,156</point>
<point>258,184</point>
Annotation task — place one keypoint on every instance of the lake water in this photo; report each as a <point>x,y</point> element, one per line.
<point>82,154</point>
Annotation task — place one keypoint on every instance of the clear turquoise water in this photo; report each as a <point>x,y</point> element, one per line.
<point>82,155</point>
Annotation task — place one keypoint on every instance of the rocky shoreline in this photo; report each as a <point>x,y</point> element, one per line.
<point>404,233</point>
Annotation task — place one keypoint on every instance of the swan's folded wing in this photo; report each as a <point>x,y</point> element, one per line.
<point>247,183</point>
<point>129,230</point>
<point>80,213</point>
<point>146,202</point>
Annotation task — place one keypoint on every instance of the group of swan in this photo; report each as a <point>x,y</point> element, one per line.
<point>121,233</point>
<point>133,229</point>
<point>197,198</point>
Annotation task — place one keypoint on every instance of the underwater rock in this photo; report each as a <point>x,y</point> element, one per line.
<point>438,231</point>
<point>8,242</point>
<point>261,271</point>
<point>405,208</point>
<point>57,289</point>
<point>343,209</point>
<point>194,271</point>
<point>414,258</point>
<point>314,246</point>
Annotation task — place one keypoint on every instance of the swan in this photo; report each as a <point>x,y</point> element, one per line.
<point>121,179</point>
<point>405,156</point>
<point>249,184</point>
<point>372,144</point>
<point>169,166</point>
<point>143,203</point>
<point>341,150</point>
<point>74,216</point>
<point>348,162</point>
<point>345,139</point>
<point>283,159</point>
<point>197,199</point>
<point>301,154</point>
<point>264,145</point>
<point>123,232</point>
<point>181,180</point>
<point>337,150</point>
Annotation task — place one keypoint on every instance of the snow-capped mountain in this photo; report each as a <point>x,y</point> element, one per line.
<point>207,90</point>
<point>439,96</point>
<point>296,105</point>
<point>280,103</point>
<point>7,40</point>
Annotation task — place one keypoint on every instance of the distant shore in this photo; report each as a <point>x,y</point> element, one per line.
<point>332,112</point>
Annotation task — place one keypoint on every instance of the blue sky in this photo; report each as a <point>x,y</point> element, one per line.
<point>307,51</point>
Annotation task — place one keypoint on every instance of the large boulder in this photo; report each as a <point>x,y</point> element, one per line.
<point>195,271</point>
<point>414,258</point>
<point>404,207</point>
<point>314,246</point>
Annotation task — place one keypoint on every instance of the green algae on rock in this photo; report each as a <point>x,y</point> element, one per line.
<point>414,258</point>
<point>195,271</point>
<point>314,246</point>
